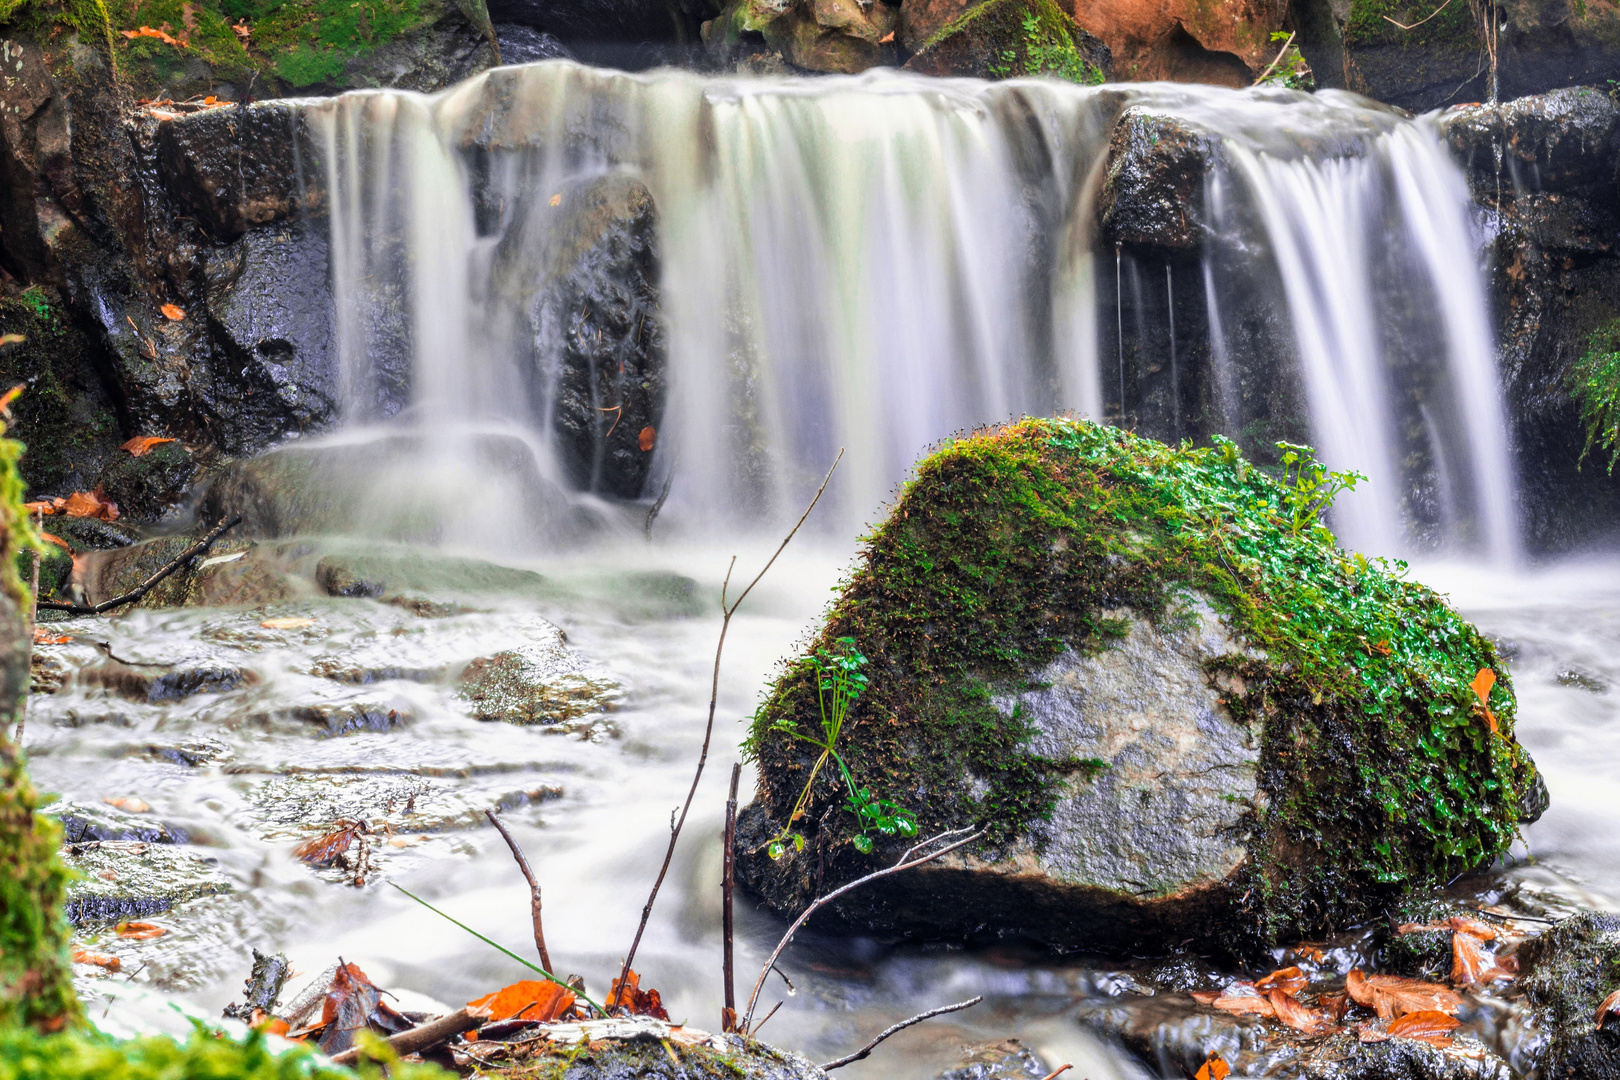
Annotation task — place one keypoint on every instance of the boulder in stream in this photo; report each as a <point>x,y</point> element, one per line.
<point>1569,971</point>
<point>1175,707</point>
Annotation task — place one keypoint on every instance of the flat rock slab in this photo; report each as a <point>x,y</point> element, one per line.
<point>87,822</point>
<point>636,1048</point>
<point>131,880</point>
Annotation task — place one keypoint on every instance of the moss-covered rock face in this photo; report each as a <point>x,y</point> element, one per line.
<point>1002,39</point>
<point>1571,969</point>
<point>1175,705</point>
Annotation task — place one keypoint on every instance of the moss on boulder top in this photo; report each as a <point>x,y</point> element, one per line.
<point>1178,708</point>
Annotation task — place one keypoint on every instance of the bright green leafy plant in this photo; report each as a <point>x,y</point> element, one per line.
<point>1594,381</point>
<point>1309,488</point>
<point>839,682</point>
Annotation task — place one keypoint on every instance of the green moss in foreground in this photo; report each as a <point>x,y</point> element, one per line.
<point>1011,545</point>
<point>26,1055</point>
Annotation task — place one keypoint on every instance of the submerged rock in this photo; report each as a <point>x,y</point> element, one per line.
<point>1569,971</point>
<point>85,822</point>
<point>1005,1060</point>
<point>1175,713</point>
<point>541,683</point>
<point>131,880</point>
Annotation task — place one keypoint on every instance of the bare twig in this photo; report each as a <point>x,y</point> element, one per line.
<point>421,1037</point>
<point>905,863</point>
<point>146,586</point>
<point>1060,1070</point>
<point>901,1026</point>
<point>767,1019</point>
<point>726,612</point>
<point>728,1015</point>
<point>1421,21</point>
<point>534,887</point>
<point>1284,52</point>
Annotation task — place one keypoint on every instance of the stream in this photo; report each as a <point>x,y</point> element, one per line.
<point>250,771</point>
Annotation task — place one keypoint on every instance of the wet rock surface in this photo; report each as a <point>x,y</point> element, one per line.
<point>1005,1060</point>
<point>124,879</point>
<point>1569,971</point>
<point>1154,187</point>
<point>538,684</point>
<point>993,40</point>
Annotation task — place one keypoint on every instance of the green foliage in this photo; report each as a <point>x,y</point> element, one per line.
<point>1011,546</point>
<point>1291,70</point>
<point>206,1055</point>
<point>839,682</point>
<point>1594,381</point>
<point>1047,48</point>
<point>1309,488</point>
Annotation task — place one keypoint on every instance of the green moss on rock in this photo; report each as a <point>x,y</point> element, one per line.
<point>1005,39</point>
<point>1378,769</point>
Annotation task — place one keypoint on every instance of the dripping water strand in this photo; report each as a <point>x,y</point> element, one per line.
<point>1119,320</point>
<point>1175,376</point>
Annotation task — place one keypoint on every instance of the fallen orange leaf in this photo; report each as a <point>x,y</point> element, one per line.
<point>270,1025</point>
<point>139,931</point>
<point>241,30</point>
<point>646,439</point>
<point>1484,680</point>
<point>1244,1005</point>
<point>888,39</point>
<point>1290,980</point>
<point>1609,1007</point>
<point>13,339</point>
<point>147,31</point>
<point>289,623</point>
<point>173,312</point>
<point>43,636</point>
<point>1463,925</point>
<point>1391,995</point>
<point>1215,1068</point>
<point>1471,963</point>
<point>1428,1026</point>
<point>1293,1014</point>
<point>531,999</point>
<point>111,963</point>
<point>556,200</point>
<point>10,395</point>
<point>129,803</point>
<point>632,997</point>
<point>324,849</point>
<point>90,504</point>
<point>141,444</point>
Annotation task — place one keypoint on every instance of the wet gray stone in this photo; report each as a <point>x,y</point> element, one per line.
<point>86,822</point>
<point>131,880</point>
<point>1008,1059</point>
<point>537,683</point>
<point>1568,970</point>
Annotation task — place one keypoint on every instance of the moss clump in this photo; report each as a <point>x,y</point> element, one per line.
<point>1006,548</point>
<point>1594,382</point>
<point>88,1056</point>
<point>1024,38</point>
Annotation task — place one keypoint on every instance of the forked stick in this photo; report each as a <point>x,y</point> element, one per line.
<point>534,887</point>
<point>726,612</point>
<point>146,586</point>
<point>906,863</point>
<point>901,1026</point>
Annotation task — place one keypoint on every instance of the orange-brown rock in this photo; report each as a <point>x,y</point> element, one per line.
<point>1225,42</point>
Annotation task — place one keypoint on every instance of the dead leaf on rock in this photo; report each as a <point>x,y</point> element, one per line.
<point>531,999</point>
<point>139,931</point>
<point>632,997</point>
<point>101,960</point>
<point>43,636</point>
<point>12,339</point>
<point>1371,1033</point>
<point>91,504</point>
<point>1482,930</point>
<point>1289,980</point>
<point>142,444</point>
<point>147,31</point>
<point>291,623</point>
<point>173,312</point>
<point>1213,1069</point>
<point>130,804</point>
<point>1484,680</point>
<point>1295,1015</point>
<point>242,30</point>
<point>1391,996</point>
<point>647,438</point>
<point>1428,1026</point>
<point>1472,963</point>
<point>1608,1009</point>
<point>326,848</point>
<point>354,1005</point>
<point>57,540</point>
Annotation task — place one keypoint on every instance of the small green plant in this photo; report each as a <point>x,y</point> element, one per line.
<point>1309,487</point>
<point>1594,381</point>
<point>37,301</point>
<point>1290,70</point>
<point>839,682</point>
<point>1046,51</point>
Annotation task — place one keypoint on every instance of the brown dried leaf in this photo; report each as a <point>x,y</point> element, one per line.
<point>1609,1007</point>
<point>1215,1068</point>
<point>139,931</point>
<point>646,439</point>
<point>1428,1026</point>
<point>1473,927</point>
<point>1290,980</point>
<point>1371,1033</point>
<point>631,996</point>
<point>129,804</point>
<point>1293,1014</point>
<point>173,312</point>
<point>1244,1005</point>
<point>1205,997</point>
<point>531,999</point>
<point>90,504</point>
<point>1391,995</point>
<point>324,849</point>
<point>43,636</point>
<point>1471,963</point>
<point>353,1005</point>
<point>111,963</point>
<point>141,444</point>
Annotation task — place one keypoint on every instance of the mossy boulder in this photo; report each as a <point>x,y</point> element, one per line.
<point>1003,39</point>
<point>1174,705</point>
<point>840,36</point>
<point>1570,969</point>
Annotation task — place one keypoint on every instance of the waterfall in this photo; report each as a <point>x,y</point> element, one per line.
<point>876,262</point>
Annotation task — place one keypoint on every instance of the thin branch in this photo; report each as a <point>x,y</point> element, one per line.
<point>146,586</point>
<point>728,1015</point>
<point>549,977</point>
<point>822,901</point>
<point>1421,21</point>
<point>726,612</point>
<point>767,1019</point>
<point>534,887</point>
<point>1059,1071</point>
<point>420,1037</point>
<point>895,1028</point>
<point>1284,52</point>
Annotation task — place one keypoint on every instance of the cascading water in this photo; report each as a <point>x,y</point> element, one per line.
<point>875,262</point>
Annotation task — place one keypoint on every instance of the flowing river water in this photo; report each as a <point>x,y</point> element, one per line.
<point>249,772</point>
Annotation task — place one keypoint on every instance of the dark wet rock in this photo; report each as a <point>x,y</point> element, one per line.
<point>262,990</point>
<point>237,168</point>
<point>533,684</point>
<point>599,337</point>
<point>236,578</point>
<point>1543,171</point>
<point>1130,757</point>
<point>1567,972</point>
<point>154,684</point>
<point>526,45</point>
<point>85,822</point>
<point>127,880</point>
<point>843,36</point>
<point>1582,681</point>
<point>47,674</point>
<point>638,1049</point>
<point>1154,187</point>
<point>348,719</point>
<point>151,486</point>
<point>311,803</point>
<point>991,40</point>
<point>189,754</point>
<point>1180,974</point>
<point>1420,954</point>
<point>90,534</point>
<point>270,308</point>
<point>1008,1059</point>
<point>337,577</point>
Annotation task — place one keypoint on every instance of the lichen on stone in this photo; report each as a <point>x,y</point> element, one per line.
<point>1378,770</point>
